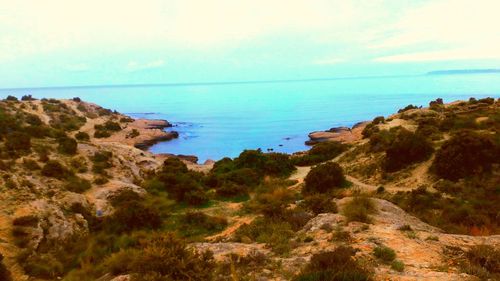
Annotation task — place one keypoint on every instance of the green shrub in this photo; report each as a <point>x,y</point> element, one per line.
<point>378,120</point>
<point>359,209</point>
<point>408,107</point>
<point>319,203</point>
<point>324,178</point>
<point>200,219</point>
<point>67,145</point>
<point>181,184</point>
<point>101,160</point>
<point>465,154</point>
<point>483,261</point>
<point>231,189</point>
<point>407,148</point>
<point>30,164</point>
<point>100,180</point>
<point>369,130</point>
<point>320,152</point>
<point>132,215</point>
<point>11,98</point>
<point>271,203</point>
<point>398,266</point>
<point>44,266</point>
<point>168,258</point>
<point>78,185</point>
<point>340,235</point>
<point>132,134</point>
<point>384,253</point>
<point>82,136</point>
<point>100,134</point>
<point>33,120</point>
<point>39,131</point>
<point>18,141</point>
<point>336,265</point>
<point>27,98</point>
<point>54,169</point>
<point>275,233</point>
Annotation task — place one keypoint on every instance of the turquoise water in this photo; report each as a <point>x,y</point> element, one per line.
<point>215,121</point>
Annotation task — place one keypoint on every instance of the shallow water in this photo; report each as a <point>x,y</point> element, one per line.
<point>215,121</point>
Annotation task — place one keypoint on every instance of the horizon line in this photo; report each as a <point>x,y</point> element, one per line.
<point>242,82</point>
<point>213,83</point>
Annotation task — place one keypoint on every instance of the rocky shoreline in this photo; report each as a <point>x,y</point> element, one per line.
<point>341,134</point>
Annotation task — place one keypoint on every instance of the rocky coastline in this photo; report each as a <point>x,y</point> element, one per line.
<point>341,134</point>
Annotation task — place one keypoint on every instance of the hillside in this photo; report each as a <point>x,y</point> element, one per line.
<point>413,196</point>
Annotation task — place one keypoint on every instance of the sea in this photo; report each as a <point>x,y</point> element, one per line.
<point>217,120</point>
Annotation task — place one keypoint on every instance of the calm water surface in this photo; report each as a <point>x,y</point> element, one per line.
<point>215,121</point>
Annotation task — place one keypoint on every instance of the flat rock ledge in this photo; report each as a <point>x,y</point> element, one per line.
<point>341,134</point>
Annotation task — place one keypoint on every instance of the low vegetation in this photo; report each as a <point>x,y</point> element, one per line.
<point>336,265</point>
<point>320,152</point>
<point>359,209</point>
<point>324,178</point>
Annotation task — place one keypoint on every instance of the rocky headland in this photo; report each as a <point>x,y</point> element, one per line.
<point>411,196</point>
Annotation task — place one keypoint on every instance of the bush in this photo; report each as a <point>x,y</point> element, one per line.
<point>273,164</point>
<point>321,152</point>
<point>18,141</point>
<point>324,178</point>
<point>33,120</point>
<point>340,235</point>
<point>200,219</point>
<point>67,145</point>
<point>318,204</point>
<point>132,215</point>
<point>169,258</point>
<point>27,98</point>
<point>337,265</point>
<point>230,189</point>
<point>181,184</point>
<point>30,164</point>
<point>82,136</point>
<point>467,153</point>
<point>484,261</point>
<point>272,203</point>
<point>44,266</point>
<point>408,107</point>
<point>275,233</point>
<point>378,120</point>
<point>11,98</point>
<point>4,272</point>
<point>384,253</point>
<point>100,134</point>
<point>132,134</point>
<point>78,185</point>
<point>397,265</point>
<point>108,126</point>
<point>55,169</point>
<point>407,148</point>
<point>101,160</point>
<point>359,209</point>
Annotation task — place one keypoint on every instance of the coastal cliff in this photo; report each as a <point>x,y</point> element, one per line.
<point>411,196</point>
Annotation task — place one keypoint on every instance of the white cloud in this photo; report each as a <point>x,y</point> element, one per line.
<point>136,66</point>
<point>445,23</point>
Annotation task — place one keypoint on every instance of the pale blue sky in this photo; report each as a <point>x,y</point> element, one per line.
<point>61,42</point>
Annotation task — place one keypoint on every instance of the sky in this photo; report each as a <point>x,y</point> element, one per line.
<point>95,42</point>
